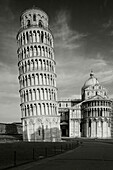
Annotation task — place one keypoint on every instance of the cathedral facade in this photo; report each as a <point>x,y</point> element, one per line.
<point>89,117</point>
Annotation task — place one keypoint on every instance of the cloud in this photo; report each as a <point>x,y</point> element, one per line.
<point>107,27</point>
<point>108,24</point>
<point>8,30</point>
<point>70,97</point>
<point>9,95</point>
<point>73,74</point>
<point>9,87</point>
<point>67,42</point>
<point>65,37</point>
<point>6,14</point>
<point>10,112</point>
<point>103,71</point>
<point>76,53</point>
<point>106,76</point>
<point>105,3</point>
<point>8,83</point>
<point>98,62</point>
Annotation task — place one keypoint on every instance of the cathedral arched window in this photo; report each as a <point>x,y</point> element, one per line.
<point>39,132</point>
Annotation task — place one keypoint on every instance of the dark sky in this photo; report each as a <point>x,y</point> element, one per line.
<point>83,38</point>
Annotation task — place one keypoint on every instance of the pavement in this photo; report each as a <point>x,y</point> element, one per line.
<point>88,156</point>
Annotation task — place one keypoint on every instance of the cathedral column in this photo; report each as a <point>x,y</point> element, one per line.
<point>79,121</point>
<point>104,128</point>
<point>94,125</point>
<point>109,129</point>
<point>92,128</point>
<point>97,127</point>
<point>70,113</point>
<point>87,128</point>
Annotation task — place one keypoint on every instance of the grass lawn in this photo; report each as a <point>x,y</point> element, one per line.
<point>27,151</point>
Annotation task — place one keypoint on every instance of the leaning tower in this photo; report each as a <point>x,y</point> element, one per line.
<point>37,78</point>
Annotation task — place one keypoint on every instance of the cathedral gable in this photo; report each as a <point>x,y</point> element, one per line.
<point>97,97</point>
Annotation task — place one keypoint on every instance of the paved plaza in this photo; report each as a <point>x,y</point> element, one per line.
<point>90,155</point>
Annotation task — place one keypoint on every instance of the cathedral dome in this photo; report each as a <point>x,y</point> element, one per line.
<point>91,81</point>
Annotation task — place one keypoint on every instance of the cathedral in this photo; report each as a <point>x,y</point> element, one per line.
<point>89,117</point>
<point>44,117</point>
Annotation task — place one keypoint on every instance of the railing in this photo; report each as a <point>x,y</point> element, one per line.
<point>15,154</point>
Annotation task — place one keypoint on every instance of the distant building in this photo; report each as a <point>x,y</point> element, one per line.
<point>10,132</point>
<point>89,117</point>
<point>70,117</point>
<point>11,128</point>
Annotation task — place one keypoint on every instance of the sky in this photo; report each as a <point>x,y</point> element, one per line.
<point>83,41</point>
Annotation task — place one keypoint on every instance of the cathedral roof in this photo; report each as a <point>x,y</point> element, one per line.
<point>97,98</point>
<point>92,81</point>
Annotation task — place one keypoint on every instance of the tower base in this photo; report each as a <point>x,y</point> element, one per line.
<point>41,128</point>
